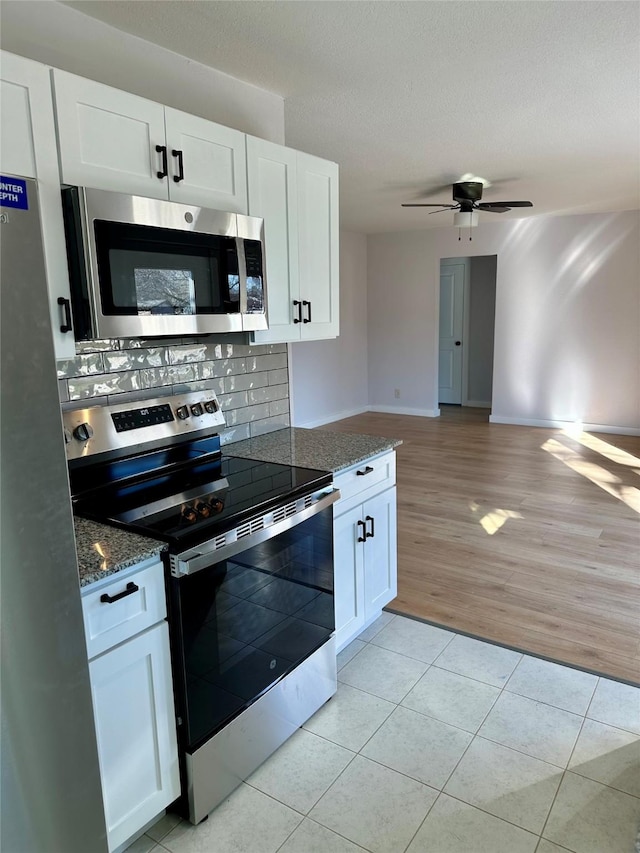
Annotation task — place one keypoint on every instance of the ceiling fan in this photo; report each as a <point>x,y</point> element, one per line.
<point>467,195</point>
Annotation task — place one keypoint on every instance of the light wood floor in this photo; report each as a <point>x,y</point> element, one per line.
<point>505,533</point>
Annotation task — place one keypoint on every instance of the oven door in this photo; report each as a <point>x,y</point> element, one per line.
<point>243,623</point>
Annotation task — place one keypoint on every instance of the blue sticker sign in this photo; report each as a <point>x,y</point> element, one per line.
<point>13,193</point>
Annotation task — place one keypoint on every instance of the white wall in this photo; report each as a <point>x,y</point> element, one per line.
<point>328,379</point>
<point>62,37</point>
<point>567,335</point>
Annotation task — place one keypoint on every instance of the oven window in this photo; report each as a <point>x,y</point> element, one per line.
<point>242,624</point>
<point>155,271</point>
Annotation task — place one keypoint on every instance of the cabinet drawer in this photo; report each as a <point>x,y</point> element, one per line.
<point>379,472</point>
<point>107,623</point>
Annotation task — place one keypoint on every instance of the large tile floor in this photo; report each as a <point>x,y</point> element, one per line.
<point>438,743</point>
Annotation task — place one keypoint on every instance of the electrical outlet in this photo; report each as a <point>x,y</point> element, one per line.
<point>396,393</point>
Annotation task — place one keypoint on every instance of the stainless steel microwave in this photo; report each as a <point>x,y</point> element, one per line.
<point>140,267</point>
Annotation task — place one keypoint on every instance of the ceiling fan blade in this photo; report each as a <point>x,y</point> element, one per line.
<point>443,209</point>
<point>492,208</point>
<point>509,203</point>
<point>443,206</point>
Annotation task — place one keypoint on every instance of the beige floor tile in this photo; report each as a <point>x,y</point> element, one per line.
<point>452,698</point>
<point>482,661</point>
<point>557,685</point>
<point>588,817</point>
<point>247,822</point>
<point>300,771</point>
<point>382,673</point>
<point>374,807</point>
<point>350,717</point>
<point>418,746</point>
<point>608,755</point>
<point>532,727</point>
<point>506,783</point>
<point>414,639</point>
<point>455,827</point>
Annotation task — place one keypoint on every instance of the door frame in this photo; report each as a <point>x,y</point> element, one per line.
<point>466,260</point>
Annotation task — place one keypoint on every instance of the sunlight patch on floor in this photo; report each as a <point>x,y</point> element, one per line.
<point>610,451</point>
<point>598,475</point>
<point>492,521</point>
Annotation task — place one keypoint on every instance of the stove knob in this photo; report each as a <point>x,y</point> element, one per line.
<point>211,406</point>
<point>83,432</point>
<point>196,409</point>
<point>182,412</point>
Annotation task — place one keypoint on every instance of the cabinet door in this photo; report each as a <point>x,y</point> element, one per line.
<point>28,149</point>
<point>272,187</point>
<point>135,729</point>
<point>318,245</point>
<point>380,552</point>
<point>108,138</point>
<point>213,162</point>
<point>348,576</point>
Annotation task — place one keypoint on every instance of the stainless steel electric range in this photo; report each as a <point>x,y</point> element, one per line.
<point>249,572</point>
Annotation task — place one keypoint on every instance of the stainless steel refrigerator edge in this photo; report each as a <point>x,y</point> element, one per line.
<point>51,792</point>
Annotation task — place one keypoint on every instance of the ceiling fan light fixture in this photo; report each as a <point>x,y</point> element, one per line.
<point>463,219</point>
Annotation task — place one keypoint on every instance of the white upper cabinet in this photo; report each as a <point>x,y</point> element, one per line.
<point>273,196</point>
<point>318,247</point>
<point>297,196</point>
<point>117,141</point>
<point>29,150</point>
<point>207,163</point>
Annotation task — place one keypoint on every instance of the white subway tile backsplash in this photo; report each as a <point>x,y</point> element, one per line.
<point>251,382</point>
<point>266,362</point>
<point>83,388</point>
<point>266,395</point>
<point>120,360</point>
<point>245,381</point>
<point>269,425</point>
<point>187,355</point>
<point>233,401</point>
<point>279,376</point>
<point>279,407</point>
<point>82,365</point>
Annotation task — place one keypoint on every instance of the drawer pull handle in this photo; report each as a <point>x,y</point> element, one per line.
<point>368,535</point>
<point>298,305</point>
<point>367,470</point>
<point>364,531</point>
<point>109,599</point>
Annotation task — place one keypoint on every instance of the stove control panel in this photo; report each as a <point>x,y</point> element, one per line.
<point>100,429</point>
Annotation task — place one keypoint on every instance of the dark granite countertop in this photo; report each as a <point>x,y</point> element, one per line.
<point>312,448</point>
<point>104,550</point>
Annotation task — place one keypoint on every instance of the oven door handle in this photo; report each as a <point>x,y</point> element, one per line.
<point>207,554</point>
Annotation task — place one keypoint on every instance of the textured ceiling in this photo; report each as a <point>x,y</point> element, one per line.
<point>541,98</point>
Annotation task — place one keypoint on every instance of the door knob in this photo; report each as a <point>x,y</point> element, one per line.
<point>458,343</point>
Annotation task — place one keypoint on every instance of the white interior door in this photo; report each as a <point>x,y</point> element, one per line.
<point>451,326</point>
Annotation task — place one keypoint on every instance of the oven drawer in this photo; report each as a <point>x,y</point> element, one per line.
<point>379,471</point>
<point>132,602</point>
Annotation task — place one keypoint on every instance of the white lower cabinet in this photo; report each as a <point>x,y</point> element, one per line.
<point>365,547</point>
<point>134,713</point>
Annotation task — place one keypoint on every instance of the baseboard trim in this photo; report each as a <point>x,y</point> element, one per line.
<point>336,416</point>
<point>568,425</point>
<point>401,410</point>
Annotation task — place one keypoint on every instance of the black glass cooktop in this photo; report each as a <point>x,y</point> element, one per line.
<point>188,494</point>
